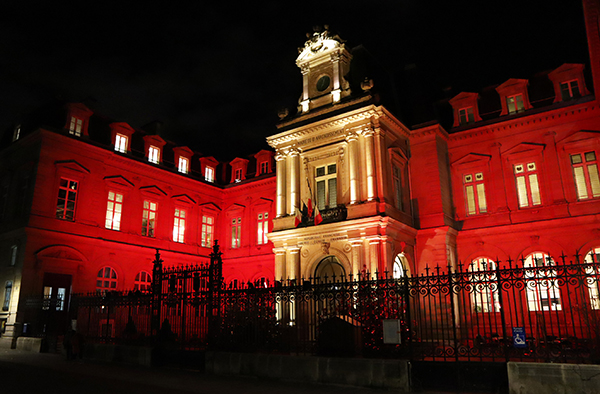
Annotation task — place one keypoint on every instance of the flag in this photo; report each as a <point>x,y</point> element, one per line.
<point>310,207</point>
<point>298,218</point>
<point>318,217</point>
<point>304,210</point>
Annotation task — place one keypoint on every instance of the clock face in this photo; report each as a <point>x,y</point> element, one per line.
<point>323,83</point>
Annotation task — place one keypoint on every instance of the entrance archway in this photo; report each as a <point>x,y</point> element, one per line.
<point>329,267</point>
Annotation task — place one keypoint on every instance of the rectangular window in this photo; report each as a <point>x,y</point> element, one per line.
<point>13,255</point>
<point>16,133</point>
<point>209,174</point>
<point>263,228</point>
<point>475,194</point>
<point>121,143</point>
<point>238,175</point>
<point>67,199</point>
<point>397,176</point>
<point>585,173</point>
<point>149,218</point>
<point>207,231</point>
<point>326,180</point>
<point>466,115</point>
<point>179,225</point>
<point>7,292</point>
<point>154,155</point>
<point>113,211</point>
<point>236,232</point>
<point>75,126</point>
<point>264,167</point>
<point>183,165</point>
<point>515,104</point>
<point>569,90</point>
<point>528,189</point>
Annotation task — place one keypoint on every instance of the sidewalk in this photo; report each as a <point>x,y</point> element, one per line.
<point>32,372</point>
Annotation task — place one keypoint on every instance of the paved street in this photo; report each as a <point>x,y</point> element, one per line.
<point>26,372</point>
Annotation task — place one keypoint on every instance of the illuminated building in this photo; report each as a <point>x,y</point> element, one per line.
<point>84,203</point>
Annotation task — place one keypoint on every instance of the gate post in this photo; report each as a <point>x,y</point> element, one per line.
<point>215,282</point>
<point>157,271</point>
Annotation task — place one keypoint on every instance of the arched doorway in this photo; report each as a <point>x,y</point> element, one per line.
<point>329,268</point>
<point>400,266</point>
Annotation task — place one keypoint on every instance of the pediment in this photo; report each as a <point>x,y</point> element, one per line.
<point>580,138</point>
<point>60,252</point>
<point>72,168</point>
<point>118,182</point>
<point>525,148</point>
<point>183,199</point>
<point>472,160</point>
<point>152,192</point>
<point>210,206</point>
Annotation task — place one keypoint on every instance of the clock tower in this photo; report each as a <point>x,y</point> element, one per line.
<point>324,61</point>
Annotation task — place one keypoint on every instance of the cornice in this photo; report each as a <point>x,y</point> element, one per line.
<point>538,120</point>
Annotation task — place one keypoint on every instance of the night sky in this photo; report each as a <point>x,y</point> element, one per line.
<point>217,73</point>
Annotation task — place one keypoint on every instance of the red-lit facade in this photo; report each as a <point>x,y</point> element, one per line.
<point>514,175</point>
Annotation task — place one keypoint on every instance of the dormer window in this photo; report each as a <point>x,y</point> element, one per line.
<point>264,158</point>
<point>514,96</point>
<point>515,104</point>
<point>238,175</point>
<point>76,126</point>
<point>568,82</point>
<point>466,115</point>
<point>153,154</point>
<point>569,90</point>
<point>209,174</point>
<point>17,133</point>
<point>121,143</point>
<point>184,165</point>
<point>465,109</point>
<point>264,167</point>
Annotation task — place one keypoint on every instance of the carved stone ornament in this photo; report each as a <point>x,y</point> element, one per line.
<point>347,247</point>
<point>325,247</point>
<point>318,41</point>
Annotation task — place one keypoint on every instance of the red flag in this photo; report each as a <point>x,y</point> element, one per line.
<point>310,208</point>
<point>318,217</point>
<point>298,218</point>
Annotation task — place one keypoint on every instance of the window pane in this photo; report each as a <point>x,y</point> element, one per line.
<point>332,193</point>
<point>481,198</point>
<point>470,200</point>
<point>522,192</point>
<point>321,194</point>
<point>535,189</point>
<point>580,183</point>
<point>594,180</point>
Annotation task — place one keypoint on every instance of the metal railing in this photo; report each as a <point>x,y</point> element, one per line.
<point>546,312</point>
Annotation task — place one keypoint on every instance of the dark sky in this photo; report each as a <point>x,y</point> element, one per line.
<point>216,73</point>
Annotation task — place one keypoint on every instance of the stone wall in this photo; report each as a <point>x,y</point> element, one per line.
<point>534,378</point>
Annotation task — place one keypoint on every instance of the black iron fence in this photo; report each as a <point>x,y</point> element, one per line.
<point>537,310</point>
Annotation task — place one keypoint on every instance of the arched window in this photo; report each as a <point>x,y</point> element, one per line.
<point>399,268</point>
<point>7,292</point>
<point>543,293</point>
<point>593,278</point>
<point>106,280</point>
<point>484,285</point>
<point>142,282</point>
<point>261,282</point>
<point>330,267</point>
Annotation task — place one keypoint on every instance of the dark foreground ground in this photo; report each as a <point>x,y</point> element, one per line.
<point>25,372</point>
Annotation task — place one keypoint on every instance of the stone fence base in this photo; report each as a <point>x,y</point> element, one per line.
<point>30,344</point>
<point>388,374</point>
<point>534,378</point>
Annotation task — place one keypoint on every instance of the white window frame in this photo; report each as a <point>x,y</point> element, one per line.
<point>585,174</point>
<point>114,209</point>
<point>474,191</point>
<point>264,167</point>
<point>154,154</point>
<point>209,174</point>
<point>121,143</point>
<point>207,232</point>
<point>484,285</point>
<point>592,279</point>
<point>75,126</point>
<point>143,281</point>
<point>238,175</point>
<point>541,288</point>
<point>184,165</point>
<point>326,186</point>
<point>262,228</point>
<point>14,252</point>
<point>70,196</point>
<point>527,182</point>
<point>149,214</point>
<point>236,232</point>
<point>179,225</point>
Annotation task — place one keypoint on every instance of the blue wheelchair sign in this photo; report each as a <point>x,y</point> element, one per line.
<point>519,338</point>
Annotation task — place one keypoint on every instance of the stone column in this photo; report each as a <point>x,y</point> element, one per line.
<point>374,256</point>
<point>380,166</point>
<point>294,176</point>
<point>356,260</point>
<point>293,263</point>
<point>280,271</point>
<point>353,169</point>
<point>305,69</point>
<point>281,170</point>
<point>370,164</point>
